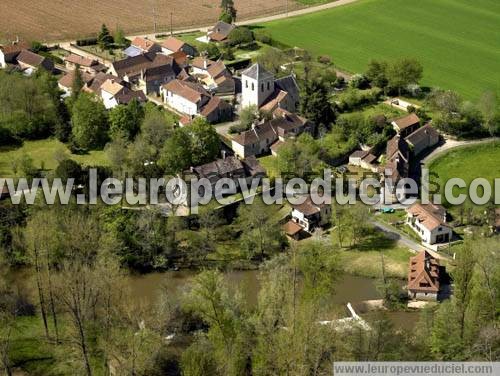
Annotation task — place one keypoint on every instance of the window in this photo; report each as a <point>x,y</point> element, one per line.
<point>253,87</point>
<point>268,85</point>
<point>262,87</point>
<point>246,83</point>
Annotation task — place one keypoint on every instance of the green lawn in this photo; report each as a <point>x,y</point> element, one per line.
<point>468,163</point>
<point>455,40</point>
<point>44,154</point>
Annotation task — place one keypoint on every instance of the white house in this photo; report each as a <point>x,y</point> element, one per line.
<point>310,216</point>
<point>429,222</point>
<point>114,93</point>
<point>185,97</point>
<point>9,52</point>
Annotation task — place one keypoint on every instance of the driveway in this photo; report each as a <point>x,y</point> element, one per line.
<point>452,144</point>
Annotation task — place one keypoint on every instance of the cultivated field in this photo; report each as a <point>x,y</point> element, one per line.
<point>52,20</point>
<point>456,40</point>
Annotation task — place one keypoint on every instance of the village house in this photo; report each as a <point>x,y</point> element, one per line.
<point>184,96</point>
<point>86,65</point>
<point>259,88</point>
<point>146,72</point>
<point>364,159</point>
<point>423,277</point>
<point>220,31</point>
<point>261,137</point>
<point>191,99</point>
<point>229,167</point>
<point>9,52</point>
<point>94,85</point>
<point>218,79</point>
<point>113,94</point>
<point>217,110</point>
<point>429,222</point>
<point>200,65</point>
<point>172,45</point>
<point>30,62</point>
<point>310,216</point>
<point>65,83</point>
<point>140,46</point>
<point>397,164</point>
<point>422,139</point>
<point>406,124</point>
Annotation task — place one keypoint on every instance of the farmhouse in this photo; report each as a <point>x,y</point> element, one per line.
<point>220,31</point>
<point>259,88</point>
<point>261,137</point>
<point>217,110</point>
<point>141,46</point>
<point>30,62</point>
<point>146,72</point>
<point>364,159</point>
<point>429,222</point>
<point>310,216</point>
<point>218,79</point>
<point>65,83</point>
<point>184,96</point>
<point>423,277</point>
<point>86,65</point>
<point>114,93</point>
<point>406,124</point>
<point>423,138</point>
<point>9,52</point>
<point>200,65</point>
<point>172,45</point>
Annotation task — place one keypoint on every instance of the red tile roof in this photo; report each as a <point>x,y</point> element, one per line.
<point>173,44</point>
<point>423,275</point>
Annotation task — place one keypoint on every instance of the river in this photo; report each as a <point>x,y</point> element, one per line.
<point>148,288</point>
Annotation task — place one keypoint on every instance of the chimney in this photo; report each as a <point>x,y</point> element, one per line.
<point>142,74</point>
<point>223,154</point>
<point>205,64</point>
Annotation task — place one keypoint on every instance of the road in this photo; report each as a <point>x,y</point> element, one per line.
<point>404,240</point>
<point>452,144</point>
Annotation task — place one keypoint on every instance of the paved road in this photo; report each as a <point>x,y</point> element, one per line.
<point>405,241</point>
<point>452,144</point>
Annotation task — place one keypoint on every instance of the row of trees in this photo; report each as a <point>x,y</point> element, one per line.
<point>395,75</point>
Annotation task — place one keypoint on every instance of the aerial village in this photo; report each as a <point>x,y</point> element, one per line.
<point>267,120</point>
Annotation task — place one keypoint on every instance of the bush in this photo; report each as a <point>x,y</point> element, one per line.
<point>359,81</point>
<point>86,42</point>
<point>240,35</point>
<point>324,59</point>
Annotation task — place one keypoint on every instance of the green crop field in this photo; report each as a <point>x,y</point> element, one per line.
<point>468,163</point>
<point>457,41</point>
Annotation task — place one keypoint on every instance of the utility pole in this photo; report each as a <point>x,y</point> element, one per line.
<point>171,23</point>
<point>155,24</point>
<point>287,8</point>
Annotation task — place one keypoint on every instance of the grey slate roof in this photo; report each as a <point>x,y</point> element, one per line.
<point>289,84</point>
<point>257,72</point>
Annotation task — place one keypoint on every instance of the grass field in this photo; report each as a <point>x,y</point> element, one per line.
<point>468,163</point>
<point>44,153</point>
<point>455,40</point>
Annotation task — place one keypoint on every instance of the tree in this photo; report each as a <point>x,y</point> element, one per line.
<point>248,116</point>
<point>272,59</point>
<point>205,142</point>
<point>377,73</point>
<point>104,39</point>
<point>261,235</point>
<point>67,169</point>
<point>404,72</point>
<point>212,51</point>
<point>119,38</point>
<point>90,122</point>
<point>176,155</point>
<point>117,153</point>
<point>489,106</point>
<point>228,10</point>
<point>77,83</point>
<point>240,35</point>
<point>315,103</point>
<point>126,119</point>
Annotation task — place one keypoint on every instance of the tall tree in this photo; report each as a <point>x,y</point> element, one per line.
<point>104,39</point>
<point>90,122</point>
<point>315,102</point>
